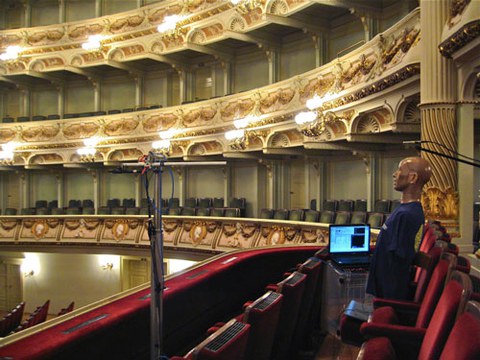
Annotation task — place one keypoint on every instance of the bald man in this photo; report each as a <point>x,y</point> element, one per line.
<point>390,269</point>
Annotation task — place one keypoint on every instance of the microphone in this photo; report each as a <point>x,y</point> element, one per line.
<point>413,142</point>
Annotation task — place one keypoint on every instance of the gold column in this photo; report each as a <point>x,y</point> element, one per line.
<point>438,118</point>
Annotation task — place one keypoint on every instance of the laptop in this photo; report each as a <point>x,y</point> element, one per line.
<point>349,245</point>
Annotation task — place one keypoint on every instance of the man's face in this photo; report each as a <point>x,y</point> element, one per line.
<point>400,177</point>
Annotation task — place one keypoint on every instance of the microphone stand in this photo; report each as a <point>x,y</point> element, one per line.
<point>156,247</point>
<point>420,148</point>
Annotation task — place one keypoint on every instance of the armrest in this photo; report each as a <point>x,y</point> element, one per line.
<point>398,334</point>
<point>378,348</point>
<point>397,305</point>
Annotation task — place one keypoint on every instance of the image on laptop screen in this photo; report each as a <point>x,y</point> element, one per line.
<point>346,239</point>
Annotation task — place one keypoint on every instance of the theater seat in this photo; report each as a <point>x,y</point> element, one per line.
<point>292,288</point>
<point>227,343</point>
<point>422,343</point>
<point>262,315</point>
<point>410,313</point>
<point>463,342</point>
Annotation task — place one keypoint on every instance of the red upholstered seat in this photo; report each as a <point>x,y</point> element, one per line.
<point>409,312</point>
<point>464,340</point>
<point>292,288</point>
<point>415,342</point>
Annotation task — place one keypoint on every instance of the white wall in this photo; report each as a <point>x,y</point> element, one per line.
<point>63,278</point>
<point>205,182</point>
<point>78,186</point>
<point>348,180</point>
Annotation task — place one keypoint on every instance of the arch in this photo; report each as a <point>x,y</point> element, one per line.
<point>46,63</point>
<point>123,154</point>
<point>408,111</point>
<point>470,89</point>
<point>212,147</point>
<point>372,122</point>
<point>49,158</point>
<point>277,7</point>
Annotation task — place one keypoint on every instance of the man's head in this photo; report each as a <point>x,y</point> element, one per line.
<point>412,173</point>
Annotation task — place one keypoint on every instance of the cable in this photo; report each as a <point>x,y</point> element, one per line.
<point>452,151</point>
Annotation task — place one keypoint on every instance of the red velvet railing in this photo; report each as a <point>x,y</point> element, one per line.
<point>193,301</point>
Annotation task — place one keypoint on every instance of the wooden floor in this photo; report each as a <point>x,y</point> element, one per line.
<point>333,349</point>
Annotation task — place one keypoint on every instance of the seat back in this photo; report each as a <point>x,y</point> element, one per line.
<point>382,206</point>
<point>232,212</point>
<point>327,217</point>
<point>312,215</point>
<point>345,205</point>
<point>227,343</point>
<point>434,290</point>
<point>201,211</point>
<point>359,217</point>
<point>375,219</point>
<point>330,205</point>
<point>205,202</point>
<point>296,215</point>
<point>292,288</point>
<point>218,212</point>
<point>451,304</point>
<point>262,315</point>
<point>360,205</point>
<point>188,211</point>
<point>425,273</point>
<point>218,202</point>
<point>463,342</point>
<point>191,202</point>
<point>394,204</point>
<point>266,213</point>
<point>343,217</point>
<point>280,214</point>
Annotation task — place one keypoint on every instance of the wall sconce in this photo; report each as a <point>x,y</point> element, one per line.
<point>313,123</point>
<point>94,43</point>
<point>87,153</point>
<point>108,262</point>
<point>11,53</point>
<point>162,146</point>
<point>171,24</point>
<point>7,153</point>
<point>30,265</point>
<point>245,6</point>
<point>107,266</point>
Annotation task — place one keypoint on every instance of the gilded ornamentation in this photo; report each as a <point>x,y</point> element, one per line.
<point>128,23</point>
<point>9,40</point>
<point>276,100</point>
<point>6,135</point>
<point>441,204</point>
<point>460,38</point>
<point>45,37</point>
<point>46,159</point>
<point>312,236</point>
<point>367,125</point>
<point>157,16</point>
<point>456,10</point>
<point>8,224</point>
<point>170,226</point>
<point>84,31</point>
<point>39,229</point>
<point>197,233</point>
<point>72,224</point>
<point>237,109</point>
<point>159,122</point>
<point>237,24</point>
<point>278,235</point>
<point>40,133</point>
<point>120,127</point>
<point>318,86</point>
<point>80,130</point>
<point>120,229</point>
<point>198,116</point>
<point>197,5</point>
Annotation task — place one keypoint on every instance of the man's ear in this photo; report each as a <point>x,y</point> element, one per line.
<point>413,177</point>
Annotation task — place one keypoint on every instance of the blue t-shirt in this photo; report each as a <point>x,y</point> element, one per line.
<point>390,268</point>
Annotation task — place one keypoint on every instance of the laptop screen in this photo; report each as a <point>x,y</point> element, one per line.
<point>353,239</point>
